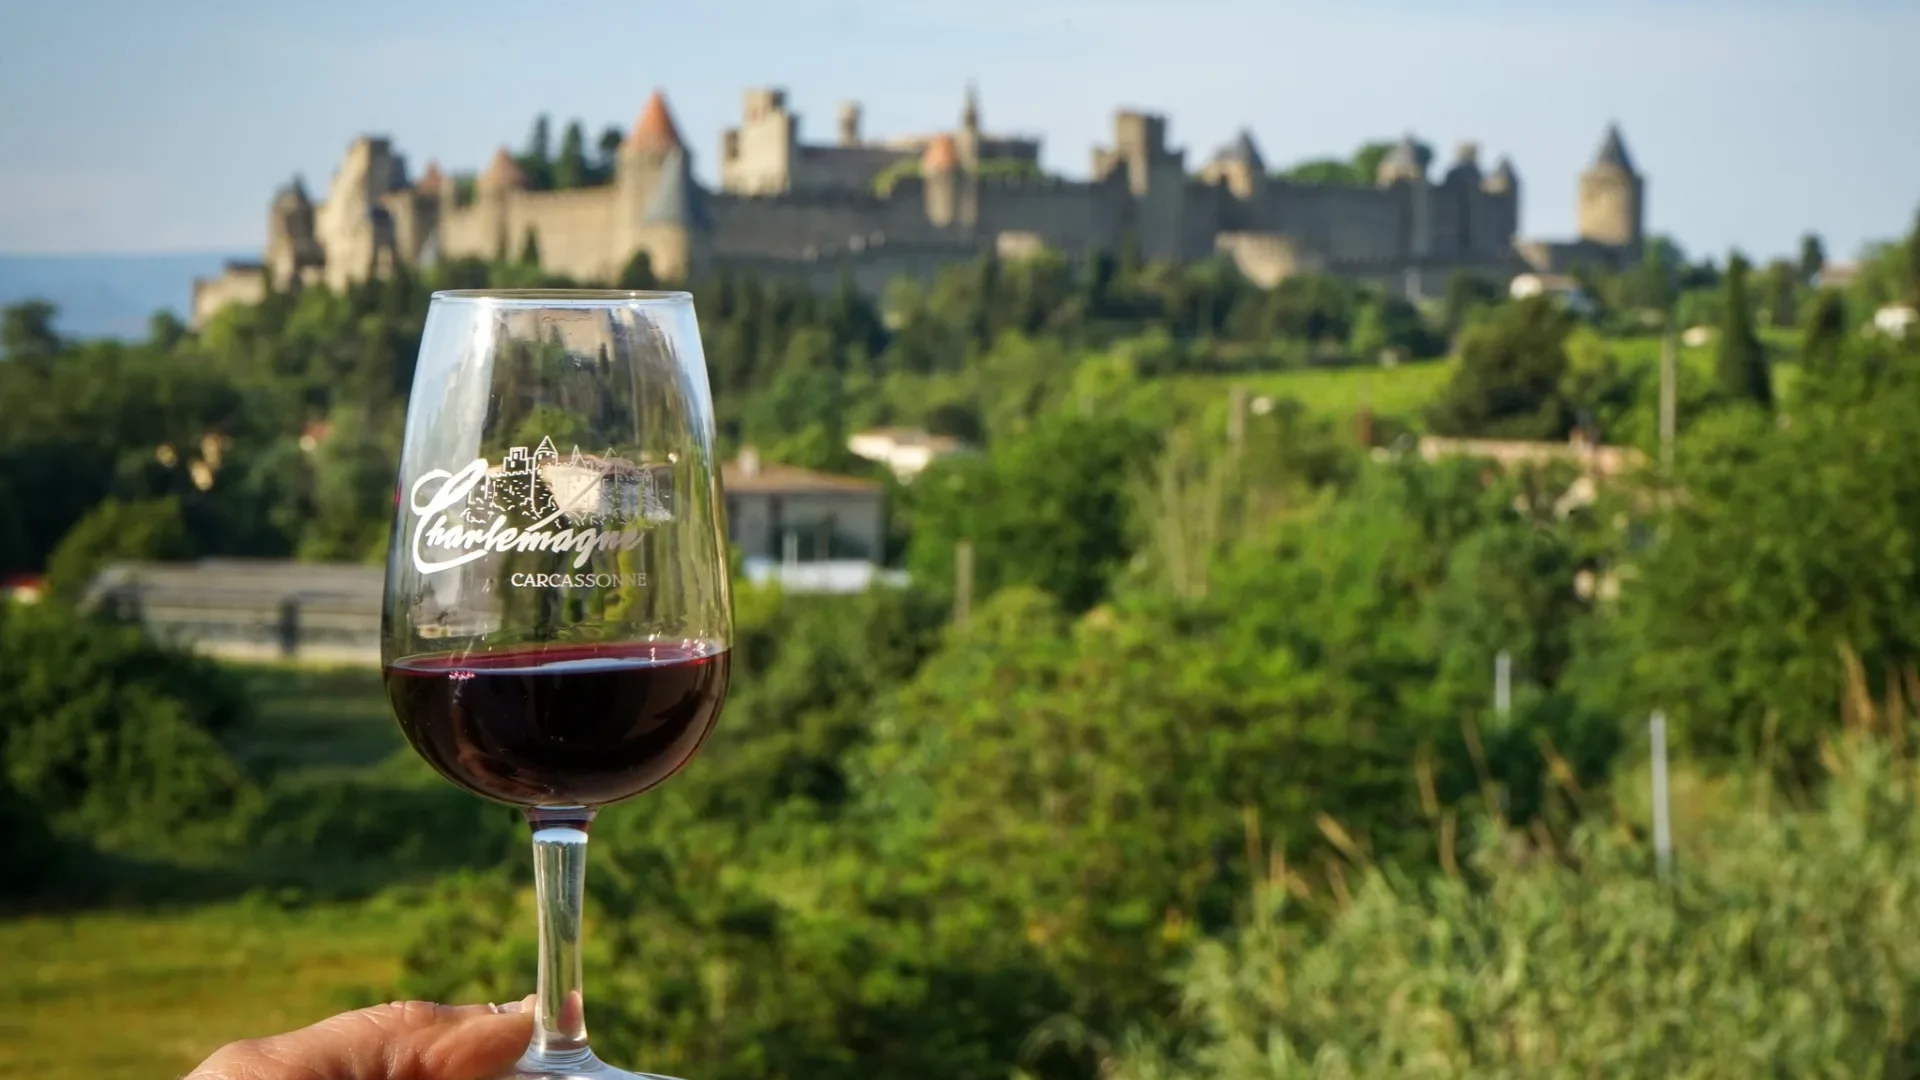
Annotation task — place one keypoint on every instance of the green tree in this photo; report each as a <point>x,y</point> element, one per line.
<point>1740,360</point>
<point>1826,329</point>
<point>103,728</point>
<point>571,169</point>
<point>608,156</point>
<point>638,273</point>
<point>1780,291</point>
<point>1048,509</point>
<point>1510,374</point>
<point>530,249</point>
<point>164,330</point>
<point>26,331</point>
<point>1467,295</point>
<point>537,160</point>
<point>151,529</point>
<point>1913,263</point>
<point>1813,258</point>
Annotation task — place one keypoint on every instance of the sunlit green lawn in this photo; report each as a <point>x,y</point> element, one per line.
<point>107,995</point>
<point>101,995</point>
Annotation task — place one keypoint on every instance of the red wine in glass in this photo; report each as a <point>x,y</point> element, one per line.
<point>581,725</point>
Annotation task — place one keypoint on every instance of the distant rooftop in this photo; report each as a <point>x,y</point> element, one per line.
<point>747,475</point>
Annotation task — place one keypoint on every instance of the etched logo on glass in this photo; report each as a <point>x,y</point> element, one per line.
<point>536,500</point>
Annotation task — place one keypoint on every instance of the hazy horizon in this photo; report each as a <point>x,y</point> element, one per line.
<point>169,129</point>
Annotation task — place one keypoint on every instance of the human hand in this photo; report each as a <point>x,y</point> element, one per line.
<point>406,1040</point>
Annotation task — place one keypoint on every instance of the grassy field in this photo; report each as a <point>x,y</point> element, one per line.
<point>110,995</point>
<point>142,992</point>
<point>1405,391</point>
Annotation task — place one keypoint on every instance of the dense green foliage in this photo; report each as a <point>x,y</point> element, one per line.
<point>1209,780</point>
<point>1784,949</point>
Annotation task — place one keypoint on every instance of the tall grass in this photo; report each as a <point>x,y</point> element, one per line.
<point>1784,946</point>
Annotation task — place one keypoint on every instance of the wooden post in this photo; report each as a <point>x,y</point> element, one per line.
<point>1662,822</point>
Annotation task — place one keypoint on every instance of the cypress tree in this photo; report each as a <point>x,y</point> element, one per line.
<point>1742,361</point>
<point>570,169</point>
<point>1826,328</point>
<point>530,249</point>
<point>1813,258</point>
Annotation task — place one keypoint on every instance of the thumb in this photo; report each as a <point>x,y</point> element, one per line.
<point>406,1040</point>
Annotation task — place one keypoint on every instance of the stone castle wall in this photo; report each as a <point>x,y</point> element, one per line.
<point>572,229</point>
<point>809,211</point>
<point>1076,219</point>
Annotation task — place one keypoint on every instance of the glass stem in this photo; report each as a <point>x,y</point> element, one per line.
<point>559,884</point>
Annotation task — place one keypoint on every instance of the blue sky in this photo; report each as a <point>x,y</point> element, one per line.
<point>147,127</point>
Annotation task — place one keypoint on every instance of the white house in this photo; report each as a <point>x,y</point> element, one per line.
<point>904,450</point>
<point>1560,286</point>
<point>1895,320</point>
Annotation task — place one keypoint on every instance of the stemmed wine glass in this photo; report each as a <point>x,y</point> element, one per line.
<point>557,619</point>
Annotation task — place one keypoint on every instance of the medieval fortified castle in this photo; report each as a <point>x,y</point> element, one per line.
<point>815,211</point>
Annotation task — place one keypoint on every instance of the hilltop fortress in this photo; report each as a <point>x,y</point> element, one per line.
<point>819,212</point>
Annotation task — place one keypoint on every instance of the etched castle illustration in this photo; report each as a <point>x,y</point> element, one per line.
<point>537,484</point>
<point>819,212</point>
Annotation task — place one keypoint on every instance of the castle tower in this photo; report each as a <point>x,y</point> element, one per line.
<point>1239,167</point>
<point>1406,166</point>
<point>434,198</point>
<point>675,230</point>
<point>493,194</point>
<point>1500,193</point>
<point>940,171</point>
<point>1462,211</point>
<point>643,160</point>
<point>966,141</point>
<point>291,245</point>
<point>849,123</point>
<point>1612,196</point>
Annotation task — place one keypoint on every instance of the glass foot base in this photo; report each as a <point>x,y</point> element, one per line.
<point>588,1068</point>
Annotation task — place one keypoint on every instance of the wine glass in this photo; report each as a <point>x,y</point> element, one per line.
<point>557,620</point>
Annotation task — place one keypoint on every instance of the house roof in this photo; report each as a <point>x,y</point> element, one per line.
<point>769,479</point>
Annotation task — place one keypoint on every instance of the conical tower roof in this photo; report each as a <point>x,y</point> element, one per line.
<point>1245,152</point>
<point>941,155</point>
<point>430,181</point>
<point>655,131</point>
<point>1502,178</point>
<point>503,173</point>
<point>677,200</point>
<point>1613,151</point>
<point>292,194</point>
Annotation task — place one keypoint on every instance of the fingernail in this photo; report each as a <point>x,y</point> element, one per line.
<point>512,1007</point>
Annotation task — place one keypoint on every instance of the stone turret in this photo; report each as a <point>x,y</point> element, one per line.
<point>1465,170</point>
<point>354,226</point>
<point>1239,167</point>
<point>1503,180</point>
<point>966,141</point>
<point>675,230</point>
<point>651,151</point>
<point>293,250</point>
<point>1407,162</point>
<point>849,123</point>
<point>1612,196</point>
<point>940,171</point>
